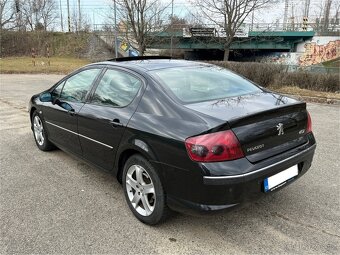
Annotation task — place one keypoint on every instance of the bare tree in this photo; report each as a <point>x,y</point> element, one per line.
<point>28,11</point>
<point>142,17</point>
<point>80,21</point>
<point>48,13</point>
<point>39,13</point>
<point>327,15</point>
<point>7,13</point>
<point>19,19</point>
<point>337,11</point>
<point>229,15</point>
<point>177,24</point>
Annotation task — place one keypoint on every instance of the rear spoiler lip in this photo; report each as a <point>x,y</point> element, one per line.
<point>248,119</point>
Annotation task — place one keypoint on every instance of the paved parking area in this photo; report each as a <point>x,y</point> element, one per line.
<point>54,203</point>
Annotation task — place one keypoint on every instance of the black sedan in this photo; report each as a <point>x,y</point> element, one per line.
<point>180,135</point>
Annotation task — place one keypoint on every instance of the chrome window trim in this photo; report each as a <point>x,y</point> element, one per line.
<point>72,132</point>
<point>258,170</point>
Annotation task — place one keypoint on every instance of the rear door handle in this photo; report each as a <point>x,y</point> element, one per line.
<point>116,123</point>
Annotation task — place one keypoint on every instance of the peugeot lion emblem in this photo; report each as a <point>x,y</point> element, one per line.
<point>280,129</point>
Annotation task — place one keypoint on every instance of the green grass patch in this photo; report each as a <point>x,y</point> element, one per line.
<point>58,65</point>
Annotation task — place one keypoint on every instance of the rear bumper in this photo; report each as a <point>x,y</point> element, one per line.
<point>262,172</point>
<point>218,193</point>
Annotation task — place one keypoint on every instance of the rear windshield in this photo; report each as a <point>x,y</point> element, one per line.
<point>203,83</point>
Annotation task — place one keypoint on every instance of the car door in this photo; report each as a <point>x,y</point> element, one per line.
<point>102,120</point>
<point>60,115</point>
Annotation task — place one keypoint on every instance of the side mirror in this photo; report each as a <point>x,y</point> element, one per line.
<point>56,101</point>
<point>45,97</point>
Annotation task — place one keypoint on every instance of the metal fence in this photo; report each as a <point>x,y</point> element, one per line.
<point>313,69</point>
<point>331,28</point>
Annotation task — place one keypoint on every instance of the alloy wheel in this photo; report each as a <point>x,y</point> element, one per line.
<point>38,130</point>
<point>140,190</point>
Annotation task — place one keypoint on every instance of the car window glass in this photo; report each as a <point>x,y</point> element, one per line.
<point>116,88</point>
<point>203,83</point>
<point>77,86</point>
<point>56,92</point>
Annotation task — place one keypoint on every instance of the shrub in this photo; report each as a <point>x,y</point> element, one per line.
<point>60,44</point>
<point>269,75</point>
<point>307,80</point>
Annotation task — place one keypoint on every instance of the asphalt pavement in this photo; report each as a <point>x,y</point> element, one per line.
<point>51,202</point>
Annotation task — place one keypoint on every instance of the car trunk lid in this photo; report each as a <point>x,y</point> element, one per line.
<point>271,132</point>
<point>265,124</point>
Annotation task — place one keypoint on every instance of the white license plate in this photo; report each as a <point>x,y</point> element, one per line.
<point>280,179</point>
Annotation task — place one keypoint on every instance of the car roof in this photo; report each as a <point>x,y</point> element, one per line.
<point>152,64</point>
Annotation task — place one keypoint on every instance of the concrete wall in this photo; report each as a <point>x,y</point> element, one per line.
<point>318,50</point>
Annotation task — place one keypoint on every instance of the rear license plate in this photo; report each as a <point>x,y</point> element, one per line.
<point>273,182</point>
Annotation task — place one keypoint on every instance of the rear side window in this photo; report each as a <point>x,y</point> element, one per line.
<point>116,88</point>
<point>77,86</point>
<point>203,83</point>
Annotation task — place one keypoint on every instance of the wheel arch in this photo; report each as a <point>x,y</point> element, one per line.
<point>32,110</point>
<point>136,147</point>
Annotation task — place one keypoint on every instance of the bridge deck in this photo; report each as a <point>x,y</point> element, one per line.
<point>261,40</point>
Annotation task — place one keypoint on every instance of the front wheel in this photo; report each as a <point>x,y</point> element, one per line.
<point>40,136</point>
<point>143,191</point>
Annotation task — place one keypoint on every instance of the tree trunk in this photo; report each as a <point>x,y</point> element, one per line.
<point>226,54</point>
<point>141,49</point>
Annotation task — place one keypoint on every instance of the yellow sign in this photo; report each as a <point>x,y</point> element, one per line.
<point>124,46</point>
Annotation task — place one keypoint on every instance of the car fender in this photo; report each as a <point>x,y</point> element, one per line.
<point>140,145</point>
<point>137,144</point>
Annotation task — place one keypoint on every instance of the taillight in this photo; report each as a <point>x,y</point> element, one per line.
<point>309,123</point>
<point>219,146</point>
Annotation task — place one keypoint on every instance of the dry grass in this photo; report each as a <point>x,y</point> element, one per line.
<point>307,93</point>
<point>58,65</point>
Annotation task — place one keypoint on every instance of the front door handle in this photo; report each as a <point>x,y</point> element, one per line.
<point>116,123</point>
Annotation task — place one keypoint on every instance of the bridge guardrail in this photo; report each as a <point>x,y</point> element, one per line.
<point>251,27</point>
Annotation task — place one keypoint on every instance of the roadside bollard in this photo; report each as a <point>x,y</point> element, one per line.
<point>33,56</point>
<point>48,56</point>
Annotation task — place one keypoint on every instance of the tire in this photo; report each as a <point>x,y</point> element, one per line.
<point>39,133</point>
<point>143,191</point>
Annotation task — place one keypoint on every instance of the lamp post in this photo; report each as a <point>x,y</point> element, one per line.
<point>68,16</point>
<point>79,16</point>
<point>116,32</point>
<point>171,38</point>
<point>61,17</point>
